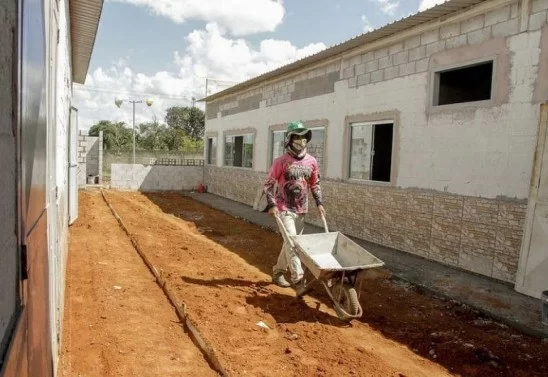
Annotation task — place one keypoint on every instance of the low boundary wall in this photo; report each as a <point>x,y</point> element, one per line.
<point>155,177</point>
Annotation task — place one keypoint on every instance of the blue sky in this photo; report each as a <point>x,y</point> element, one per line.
<point>164,49</point>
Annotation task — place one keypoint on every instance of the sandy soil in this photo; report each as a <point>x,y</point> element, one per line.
<point>117,320</point>
<point>220,267</point>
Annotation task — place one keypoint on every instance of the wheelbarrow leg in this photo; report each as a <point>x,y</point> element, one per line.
<point>302,287</point>
<point>300,291</point>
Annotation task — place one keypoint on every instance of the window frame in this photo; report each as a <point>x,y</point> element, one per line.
<point>283,128</point>
<point>322,164</point>
<point>211,159</point>
<point>435,81</point>
<point>348,159</point>
<point>271,144</point>
<point>234,135</point>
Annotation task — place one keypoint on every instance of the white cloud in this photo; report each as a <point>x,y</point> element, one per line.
<point>240,17</point>
<point>210,53</point>
<point>367,27</point>
<point>425,4</point>
<point>388,6</point>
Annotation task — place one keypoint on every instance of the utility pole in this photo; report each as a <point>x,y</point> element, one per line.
<point>206,87</point>
<point>118,103</point>
<point>134,102</point>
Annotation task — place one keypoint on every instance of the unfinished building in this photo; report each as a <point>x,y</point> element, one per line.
<point>426,132</point>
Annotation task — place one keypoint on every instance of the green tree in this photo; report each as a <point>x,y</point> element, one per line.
<point>116,136</point>
<point>190,120</point>
<point>172,137</point>
<point>152,136</point>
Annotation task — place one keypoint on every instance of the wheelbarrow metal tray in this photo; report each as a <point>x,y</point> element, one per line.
<point>325,253</point>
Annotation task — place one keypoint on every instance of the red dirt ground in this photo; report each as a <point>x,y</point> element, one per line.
<point>117,320</point>
<point>220,267</point>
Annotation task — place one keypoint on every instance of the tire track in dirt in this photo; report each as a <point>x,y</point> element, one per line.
<point>117,321</point>
<point>227,297</point>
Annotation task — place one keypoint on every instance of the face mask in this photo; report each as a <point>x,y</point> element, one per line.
<point>298,144</point>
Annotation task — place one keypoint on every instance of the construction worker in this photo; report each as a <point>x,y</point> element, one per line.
<point>295,172</point>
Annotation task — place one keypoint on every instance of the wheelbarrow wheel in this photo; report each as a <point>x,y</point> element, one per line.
<point>348,305</point>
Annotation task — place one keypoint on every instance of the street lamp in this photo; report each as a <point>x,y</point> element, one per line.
<point>118,103</point>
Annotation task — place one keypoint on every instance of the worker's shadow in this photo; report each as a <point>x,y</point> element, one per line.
<point>285,308</point>
<point>290,309</point>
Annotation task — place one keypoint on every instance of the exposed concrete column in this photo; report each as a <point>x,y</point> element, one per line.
<point>524,15</point>
<point>100,157</point>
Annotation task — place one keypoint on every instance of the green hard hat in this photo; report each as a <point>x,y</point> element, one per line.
<point>297,128</point>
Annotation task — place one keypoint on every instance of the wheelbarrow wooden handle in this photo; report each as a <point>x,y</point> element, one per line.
<point>324,224</point>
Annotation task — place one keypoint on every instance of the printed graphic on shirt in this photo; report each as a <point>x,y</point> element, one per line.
<point>293,178</point>
<point>296,187</point>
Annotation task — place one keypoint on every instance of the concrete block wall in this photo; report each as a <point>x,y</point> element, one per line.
<point>539,14</point>
<point>90,157</point>
<point>304,85</point>
<point>414,55</point>
<point>82,158</point>
<point>155,177</point>
<point>94,155</point>
<point>398,60</point>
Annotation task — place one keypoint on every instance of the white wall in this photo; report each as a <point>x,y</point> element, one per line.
<point>474,151</point>
<point>60,213</point>
<point>155,177</point>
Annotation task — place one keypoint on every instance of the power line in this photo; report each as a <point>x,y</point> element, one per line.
<point>223,81</point>
<point>126,92</point>
<point>135,92</point>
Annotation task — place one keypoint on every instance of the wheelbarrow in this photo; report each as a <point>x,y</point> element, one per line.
<point>336,261</point>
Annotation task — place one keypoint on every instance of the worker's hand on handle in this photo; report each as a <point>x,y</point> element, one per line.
<point>321,211</point>
<point>273,211</point>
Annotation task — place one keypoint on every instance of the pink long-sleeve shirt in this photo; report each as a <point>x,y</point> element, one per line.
<point>294,177</point>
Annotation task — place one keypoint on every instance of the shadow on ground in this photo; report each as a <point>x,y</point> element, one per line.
<point>445,331</point>
<point>284,308</point>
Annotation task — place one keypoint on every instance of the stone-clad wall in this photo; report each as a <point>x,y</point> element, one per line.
<point>475,234</point>
<point>238,184</point>
<point>479,235</point>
